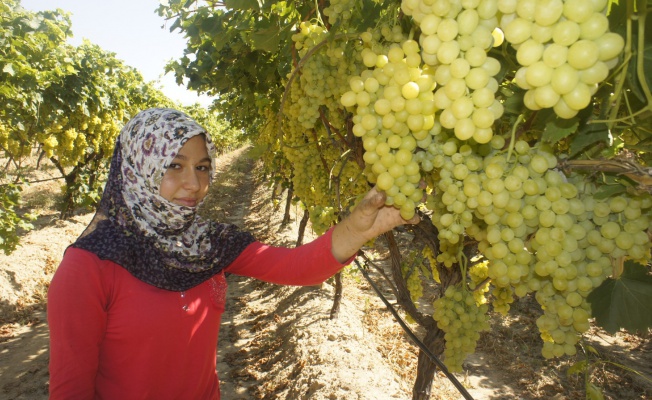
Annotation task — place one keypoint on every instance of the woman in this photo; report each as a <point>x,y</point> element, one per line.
<point>134,308</point>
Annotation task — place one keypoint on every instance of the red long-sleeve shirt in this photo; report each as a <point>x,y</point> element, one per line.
<point>113,336</point>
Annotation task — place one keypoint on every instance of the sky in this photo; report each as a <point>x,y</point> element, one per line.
<point>134,31</point>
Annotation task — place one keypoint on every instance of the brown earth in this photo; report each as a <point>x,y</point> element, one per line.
<point>278,342</point>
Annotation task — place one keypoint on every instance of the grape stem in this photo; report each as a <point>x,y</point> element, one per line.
<point>463,263</point>
<point>640,68</point>
<point>337,179</point>
<point>318,13</point>
<point>622,167</point>
<point>640,71</point>
<point>513,138</point>
<point>321,157</point>
<point>330,129</point>
<point>481,284</point>
<point>10,160</point>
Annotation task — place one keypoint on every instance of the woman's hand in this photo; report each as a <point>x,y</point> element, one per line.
<point>369,219</point>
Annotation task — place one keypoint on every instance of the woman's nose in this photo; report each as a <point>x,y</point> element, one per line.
<point>191,180</point>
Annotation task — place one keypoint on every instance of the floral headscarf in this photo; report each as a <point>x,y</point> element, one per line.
<point>159,242</point>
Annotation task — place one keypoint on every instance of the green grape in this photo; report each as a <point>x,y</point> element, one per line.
<point>461,317</point>
<point>561,54</point>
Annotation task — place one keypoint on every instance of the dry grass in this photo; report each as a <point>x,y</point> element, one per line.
<point>393,344</point>
<point>28,303</point>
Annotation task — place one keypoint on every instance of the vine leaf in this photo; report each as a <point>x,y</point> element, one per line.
<point>242,4</point>
<point>608,191</point>
<point>591,134</point>
<point>632,74</point>
<point>625,302</point>
<point>593,392</point>
<point>559,128</point>
<point>644,145</point>
<point>514,102</point>
<point>266,39</point>
<point>578,368</point>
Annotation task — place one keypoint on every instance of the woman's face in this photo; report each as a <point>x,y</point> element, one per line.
<point>186,179</point>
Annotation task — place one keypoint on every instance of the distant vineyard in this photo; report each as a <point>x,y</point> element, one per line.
<point>66,104</point>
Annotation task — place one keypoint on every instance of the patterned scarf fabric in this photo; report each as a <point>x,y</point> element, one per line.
<point>159,242</point>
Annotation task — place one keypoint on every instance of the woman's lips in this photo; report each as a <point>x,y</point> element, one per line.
<point>188,202</point>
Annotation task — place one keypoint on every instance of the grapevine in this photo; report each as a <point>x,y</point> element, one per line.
<point>504,124</point>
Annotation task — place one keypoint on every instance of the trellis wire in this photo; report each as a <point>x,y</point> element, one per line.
<point>414,337</point>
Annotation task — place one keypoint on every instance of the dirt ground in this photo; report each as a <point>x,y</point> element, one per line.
<point>278,342</point>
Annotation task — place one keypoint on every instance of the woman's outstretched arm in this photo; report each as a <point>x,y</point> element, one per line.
<point>314,262</point>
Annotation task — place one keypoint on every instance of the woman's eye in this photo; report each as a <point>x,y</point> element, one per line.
<point>173,166</point>
<point>202,168</point>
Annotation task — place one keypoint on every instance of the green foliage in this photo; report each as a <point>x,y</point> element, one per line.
<point>223,135</point>
<point>10,221</point>
<point>31,58</point>
<point>624,302</point>
<point>558,128</point>
<point>68,102</point>
<point>81,117</point>
<point>235,54</point>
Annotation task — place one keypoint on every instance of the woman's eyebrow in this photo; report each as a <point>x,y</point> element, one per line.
<point>182,157</point>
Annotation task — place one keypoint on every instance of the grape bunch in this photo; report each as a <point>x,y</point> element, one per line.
<point>339,11</point>
<point>322,77</point>
<point>502,298</point>
<point>457,194</point>
<point>479,284</point>
<point>455,37</point>
<point>71,138</point>
<point>565,50</point>
<point>307,145</point>
<point>321,218</point>
<point>414,285</point>
<point>394,115</point>
<point>11,143</point>
<point>308,36</point>
<point>462,319</point>
<point>429,256</point>
<point>540,229</point>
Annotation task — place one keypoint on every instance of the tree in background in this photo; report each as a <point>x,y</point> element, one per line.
<point>68,104</point>
<point>32,57</point>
